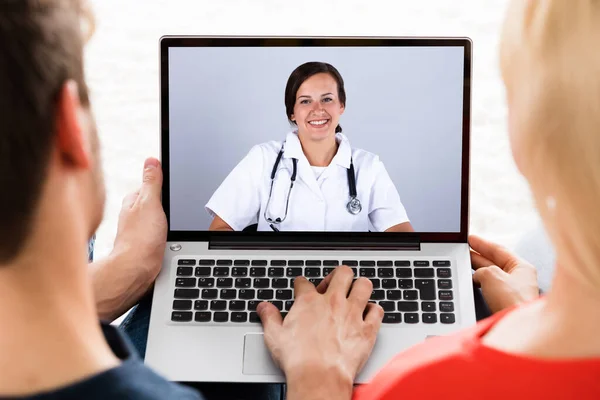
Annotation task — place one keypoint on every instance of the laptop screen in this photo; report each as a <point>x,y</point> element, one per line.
<point>261,138</point>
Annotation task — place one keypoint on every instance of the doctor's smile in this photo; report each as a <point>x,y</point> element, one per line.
<point>313,180</point>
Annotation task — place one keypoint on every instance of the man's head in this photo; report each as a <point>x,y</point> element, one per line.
<point>47,130</point>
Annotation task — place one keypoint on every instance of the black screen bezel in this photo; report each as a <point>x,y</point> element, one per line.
<point>167,42</point>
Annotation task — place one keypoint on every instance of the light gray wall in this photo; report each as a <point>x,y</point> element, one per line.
<point>403,103</point>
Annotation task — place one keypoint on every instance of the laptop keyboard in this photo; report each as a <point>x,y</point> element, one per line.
<point>227,290</point>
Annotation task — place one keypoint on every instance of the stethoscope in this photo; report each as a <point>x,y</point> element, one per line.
<point>354,207</point>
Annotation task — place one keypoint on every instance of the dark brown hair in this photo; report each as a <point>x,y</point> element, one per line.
<point>41,47</point>
<point>302,73</point>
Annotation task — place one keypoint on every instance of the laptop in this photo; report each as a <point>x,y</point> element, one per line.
<point>408,101</point>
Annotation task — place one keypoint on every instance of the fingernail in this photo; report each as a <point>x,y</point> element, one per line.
<point>151,163</point>
<point>260,306</point>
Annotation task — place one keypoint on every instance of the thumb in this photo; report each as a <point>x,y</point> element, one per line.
<point>484,275</point>
<point>271,320</point>
<point>152,179</point>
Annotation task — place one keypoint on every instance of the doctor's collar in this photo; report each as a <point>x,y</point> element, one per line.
<point>293,149</point>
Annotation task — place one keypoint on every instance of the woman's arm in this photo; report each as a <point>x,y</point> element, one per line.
<point>403,227</point>
<point>218,224</point>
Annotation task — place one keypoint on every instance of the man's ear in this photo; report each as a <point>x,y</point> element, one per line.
<point>73,143</point>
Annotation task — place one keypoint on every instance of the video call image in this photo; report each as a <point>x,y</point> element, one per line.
<point>337,139</point>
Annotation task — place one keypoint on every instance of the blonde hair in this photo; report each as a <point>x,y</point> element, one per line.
<point>550,60</point>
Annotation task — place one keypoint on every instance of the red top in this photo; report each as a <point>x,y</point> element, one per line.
<point>461,367</point>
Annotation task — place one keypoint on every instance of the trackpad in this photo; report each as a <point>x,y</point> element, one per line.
<point>257,360</point>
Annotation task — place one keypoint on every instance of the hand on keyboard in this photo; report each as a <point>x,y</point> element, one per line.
<point>327,336</point>
<point>505,279</point>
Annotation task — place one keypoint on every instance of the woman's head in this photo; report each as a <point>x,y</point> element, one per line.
<point>551,67</point>
<point>315,99</point>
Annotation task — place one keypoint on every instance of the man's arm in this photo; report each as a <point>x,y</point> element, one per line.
<point>121,279</point>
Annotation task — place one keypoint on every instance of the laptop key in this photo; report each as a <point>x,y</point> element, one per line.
<point>315,281</point>
<point>355,270</point>
<point>313,263</point>
<point>367,272</point>
<point>206,262</point>
<point>187,293</point>
<point>403,273</point>
<point>185,282</point>
<point>237,305</point>
<point>218,305</point>
<point>200,305</point>
<point>408,306</point>
<point>327,271</point>
<point>182,305</point>
<point>181,316</point>
<point>384,263</point>
<point>221,317</point>
<point>444,273</point>
<point>411,318</point>
<point>252,304</point>
<point>225,262</point>
<point>447,318</point>
<point>210,293</point>
<point>388,283</point>
<point>388,306</point>
<point>376,283</point>
<point>206,282</point>
<point>202,316</point>
<point>421,263</point>
<point>446,306</point>
<point>385,272</point>
<point>428,306</point>
<point>350,263</point>
<point>265,294</point>
<point>402,263</point>
<point>256,272</point>
<point>239,317</point>
<point>279,283</point>
<point>293,272</point>
<point>241,263</point>
<point>411,295</point>
<point>444,284</point>
<point>392,318</point>
<point>426,288</point>
<point>202,271</point>
<point>278,263</point>
<point>261,283</point>
<point>243,283</point>
<point>296,263</point>
<point>259,263</point>
<point>312,272</point>
<point>239,271</point>
<point>277,303</point>
<point>378,295</point>
<point>186,262</point>
<point>331,263</point>
<point>289,304</point>
<point>224,282</point>
<point>446,295</point>
<point>228,294</point>
<point>429,318</point>
<point>221,271</point>
<point>367,263</point>
<point>405,283</point>
<point>394,294</point>
<point>424,273</point>
<point>441,263</point>
<point>246,294</point>
<point>284,314</point>
<point>254,318</point>
<point>185,271</point>
<point>283,294</point>
<point>276,272</point>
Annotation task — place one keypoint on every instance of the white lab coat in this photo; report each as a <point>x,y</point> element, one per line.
<point>315,204</point>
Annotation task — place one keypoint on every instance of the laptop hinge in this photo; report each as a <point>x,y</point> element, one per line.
<point>314,241</point>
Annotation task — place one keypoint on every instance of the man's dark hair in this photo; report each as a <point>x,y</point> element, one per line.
<point>302,73</point>
<point>41,47</point>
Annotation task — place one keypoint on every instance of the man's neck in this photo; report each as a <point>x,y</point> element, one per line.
<point>320,154</point>
<point>52,336</point>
